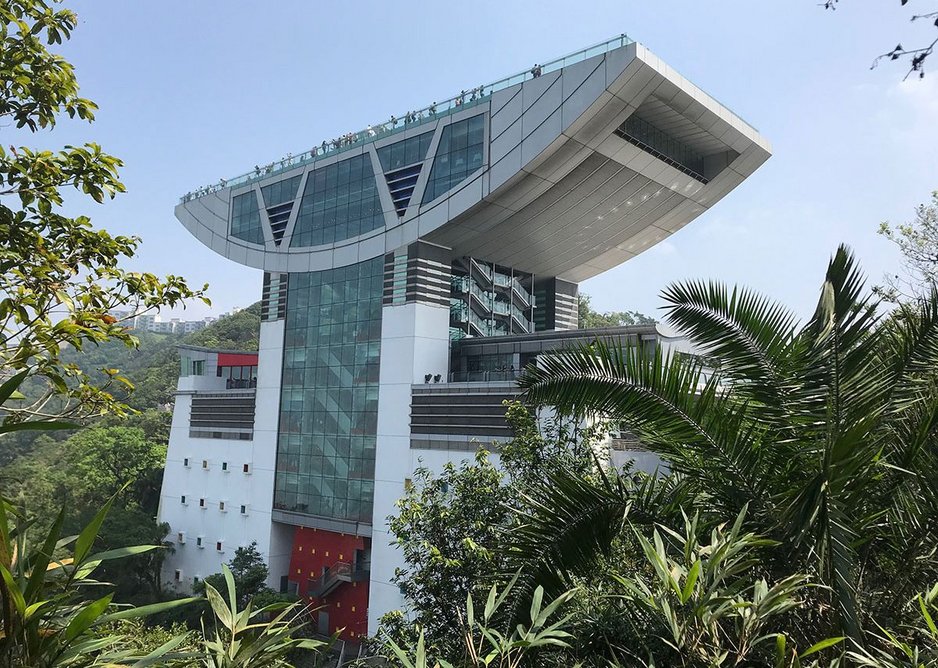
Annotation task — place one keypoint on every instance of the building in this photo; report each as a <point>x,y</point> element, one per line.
<point>410,270</point>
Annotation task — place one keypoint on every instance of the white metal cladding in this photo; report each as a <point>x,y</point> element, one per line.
<point>560,193</point>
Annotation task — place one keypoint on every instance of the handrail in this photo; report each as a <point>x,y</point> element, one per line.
<point>410,118</point>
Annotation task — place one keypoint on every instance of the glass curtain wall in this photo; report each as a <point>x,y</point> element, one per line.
<point>329,402</point>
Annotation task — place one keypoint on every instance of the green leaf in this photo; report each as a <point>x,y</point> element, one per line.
<point>37,425</point>
<point>692,576</point>
<point>84,619</point>
<point>152,609</point>
<point>10,386</point>
<point>822,645</point>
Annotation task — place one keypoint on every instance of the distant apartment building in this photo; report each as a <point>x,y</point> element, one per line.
<point>151,322</point>
<point>410,271</point>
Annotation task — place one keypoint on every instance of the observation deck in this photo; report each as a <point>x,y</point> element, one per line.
<point>567,169</point>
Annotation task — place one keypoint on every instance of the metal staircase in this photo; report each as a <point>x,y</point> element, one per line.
<point>334,576</point>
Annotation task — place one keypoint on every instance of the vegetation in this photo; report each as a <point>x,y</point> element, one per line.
<point>797,521</point>
<point>590,319</point>
<point>60,279</point>
<point>918,243</point>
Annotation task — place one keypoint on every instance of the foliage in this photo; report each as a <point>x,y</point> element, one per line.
<point>485,645</point>
<point>249,571</point>
<point>825,432</point>
<point>48,614</point>
<point>451,527</point>
<point>245,638</point>
<point>446,528</point>
<point>698,606</point>
<point>915,646</point>
<point>918,243</point>
<point>590,319</point>
<point>59,278</point>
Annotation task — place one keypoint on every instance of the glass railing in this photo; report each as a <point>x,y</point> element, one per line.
<point>409,119</point>
<point>500,375</point>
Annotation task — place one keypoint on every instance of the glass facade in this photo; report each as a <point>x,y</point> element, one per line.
<point>246,219</point>
<point>340,201</point>
<point>663,146</point>
<point>329,401</point>
<point>281,192</point>
<point>406,152</point>
<point>458,155</point>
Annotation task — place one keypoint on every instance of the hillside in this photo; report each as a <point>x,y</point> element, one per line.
<point>153,368</point>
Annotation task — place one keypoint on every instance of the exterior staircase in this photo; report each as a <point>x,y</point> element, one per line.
<point>334,576</point>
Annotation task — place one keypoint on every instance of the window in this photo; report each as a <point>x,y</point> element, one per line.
<point>185,462</point>
<point>246,218</point>
<point>182,499</point>
<point>181,537</point>
<point>280,192</point>
<point>246,468</point>
<point>224,466</point>
<point>458,155</point>
<point>205,465</point>
<point>219,547</point>
<point>244,509</point>
<point>198,367</point>
<point>201,503</point>
<point>340,201</point>
<point>177,576</point>
<point>221,506</point>
<point>195,579</point>
<point>198,541</point>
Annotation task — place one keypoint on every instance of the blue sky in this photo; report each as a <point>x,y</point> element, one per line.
<point>194,91</point>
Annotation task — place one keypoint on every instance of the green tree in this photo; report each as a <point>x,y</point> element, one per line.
<point>60,279</point>
<point>250,572</point>
<point>824,431</point>
<point>453,527</point>
<point>918,242</point>
<point>446,528</point>
<point>590,319</point>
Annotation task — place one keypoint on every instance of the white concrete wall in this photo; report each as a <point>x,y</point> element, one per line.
<point>414,342</point>
<point>253,489</point>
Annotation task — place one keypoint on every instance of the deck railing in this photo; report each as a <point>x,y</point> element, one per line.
<point>409,119</point>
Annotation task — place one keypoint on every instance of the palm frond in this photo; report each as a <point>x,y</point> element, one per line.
<point>747,333</point>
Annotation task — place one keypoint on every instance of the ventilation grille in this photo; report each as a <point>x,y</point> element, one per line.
<point>278,217</point>
<point>401,183</point>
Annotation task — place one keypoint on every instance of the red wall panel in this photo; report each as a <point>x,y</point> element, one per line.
<point>347,604</point>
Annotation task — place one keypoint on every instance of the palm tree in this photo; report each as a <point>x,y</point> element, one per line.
<point>825,431</point>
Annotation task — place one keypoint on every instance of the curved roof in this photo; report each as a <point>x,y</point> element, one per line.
<point>567,173</point>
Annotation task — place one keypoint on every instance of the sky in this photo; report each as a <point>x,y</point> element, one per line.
<point>190,92</point>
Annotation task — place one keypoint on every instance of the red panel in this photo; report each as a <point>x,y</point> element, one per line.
<point>347,605</point>
<point>237,359</point>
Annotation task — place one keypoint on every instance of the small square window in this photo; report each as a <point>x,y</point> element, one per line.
<point>182,499</point>
<point>205,464</point>
<point>198,541</point>
<point>201,503</point>
<point>218,546</point>
<point>181,537</point>
<point>195,579</point>
<point>246,468</point>
<point>185,462</point>
<point>177,576</point>
<point>221,506</point>
<point>224,466</point>
<point>244,509</point>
